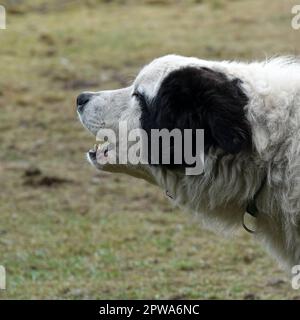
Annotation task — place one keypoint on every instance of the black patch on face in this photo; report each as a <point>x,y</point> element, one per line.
<point>200,98</point>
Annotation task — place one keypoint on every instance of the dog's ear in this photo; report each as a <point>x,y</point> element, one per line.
<point>225,115</point>
<point>201,98</point>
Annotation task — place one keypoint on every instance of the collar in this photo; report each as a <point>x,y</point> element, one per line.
<point>251,208</point>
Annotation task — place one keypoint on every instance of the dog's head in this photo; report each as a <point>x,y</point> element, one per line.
<point>172,92</point>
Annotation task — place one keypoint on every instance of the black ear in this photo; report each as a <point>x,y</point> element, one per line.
<point>225,115</point>
<point>229,132</point>
<point>201,98</point>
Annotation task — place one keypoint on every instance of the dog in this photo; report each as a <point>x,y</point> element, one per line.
<point>250,113</point>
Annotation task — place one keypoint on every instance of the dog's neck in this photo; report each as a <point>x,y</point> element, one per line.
<point>234,178</point>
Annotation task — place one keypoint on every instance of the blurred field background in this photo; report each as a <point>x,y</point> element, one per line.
<point>67,231</point>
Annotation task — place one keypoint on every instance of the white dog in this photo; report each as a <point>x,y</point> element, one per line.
<point>250,114</point>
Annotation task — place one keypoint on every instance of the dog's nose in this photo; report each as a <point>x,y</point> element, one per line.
<point>82,100</point>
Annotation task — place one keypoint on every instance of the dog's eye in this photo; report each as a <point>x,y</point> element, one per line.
<point>137,95</point>
<point>140,98</point>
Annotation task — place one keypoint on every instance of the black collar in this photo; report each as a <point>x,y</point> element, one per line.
<point>251,206</point>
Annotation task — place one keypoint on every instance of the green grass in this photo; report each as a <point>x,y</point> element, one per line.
<point>94,235</point>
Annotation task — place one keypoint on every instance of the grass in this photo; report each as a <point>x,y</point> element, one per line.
<point>67,231</point>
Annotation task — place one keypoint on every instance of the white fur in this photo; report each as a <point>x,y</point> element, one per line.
<point>220,196</point>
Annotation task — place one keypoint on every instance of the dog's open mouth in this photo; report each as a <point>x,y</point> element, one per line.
<point>97,148</point>
<point>99,154</point>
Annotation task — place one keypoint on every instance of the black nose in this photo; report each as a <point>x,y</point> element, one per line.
<point>82,100</point>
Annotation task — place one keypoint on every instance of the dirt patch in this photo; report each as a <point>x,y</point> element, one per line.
<point>34,177</point>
